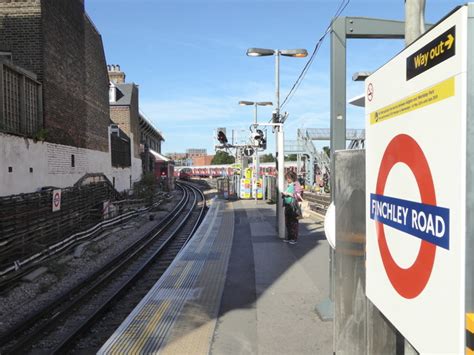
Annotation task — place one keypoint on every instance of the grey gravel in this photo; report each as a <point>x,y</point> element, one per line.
<point>65,272</point>
<point>35,274</point>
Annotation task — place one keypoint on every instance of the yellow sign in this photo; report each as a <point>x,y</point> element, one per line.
<point>437,51</point>
<point>421,99</point>
<point>248,173</point>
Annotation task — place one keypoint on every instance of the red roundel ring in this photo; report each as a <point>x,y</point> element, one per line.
<point>410,282</point>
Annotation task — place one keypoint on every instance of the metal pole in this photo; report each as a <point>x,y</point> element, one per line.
<point>256,162</point>
<point>414,20</point>
<point>414,27</point>
<point>280,152</point>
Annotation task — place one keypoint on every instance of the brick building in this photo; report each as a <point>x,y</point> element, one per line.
<point>150,143</point>
<point>195,152</point>
<point>52,49</point>
<point>193,156</point>
<point>123,101</point>
<point>56,40</point>
<point>125,112</point>
<point>202,160</point>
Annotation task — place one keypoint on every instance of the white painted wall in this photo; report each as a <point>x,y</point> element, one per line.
<point>51,165</point>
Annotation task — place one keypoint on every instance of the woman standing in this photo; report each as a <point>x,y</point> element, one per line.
<point>291,195</point>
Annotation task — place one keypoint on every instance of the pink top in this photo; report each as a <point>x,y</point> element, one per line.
<point>298,190</point>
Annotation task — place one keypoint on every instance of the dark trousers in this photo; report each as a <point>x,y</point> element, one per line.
<point>291,223</point>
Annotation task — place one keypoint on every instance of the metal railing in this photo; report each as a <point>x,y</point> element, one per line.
<point>21,103</point>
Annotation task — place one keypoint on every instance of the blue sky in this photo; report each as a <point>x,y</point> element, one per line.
<point>188,58</point>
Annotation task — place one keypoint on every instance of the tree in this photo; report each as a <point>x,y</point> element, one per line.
<point>267,158</point>
<point>222,157</point>
<point>291,157</point>
<point>327,150</point>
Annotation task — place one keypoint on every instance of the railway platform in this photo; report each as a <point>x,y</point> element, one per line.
<point>236,289</point>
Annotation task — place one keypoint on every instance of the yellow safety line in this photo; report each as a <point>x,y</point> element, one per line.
<point>156,315</point>
<point>470,322</point>
<point>470,329</point>
<point>150,327</point>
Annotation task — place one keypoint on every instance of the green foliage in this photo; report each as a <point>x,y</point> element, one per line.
<point>222,157</point>
<point>40,135</point>
<point>327,150</point>
<point>267,158</point>
<point>145,188</point>
<point>291,157</point>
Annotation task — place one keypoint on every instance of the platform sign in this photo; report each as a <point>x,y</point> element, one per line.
<point>416,188</point>
<point>245,188</point>
<point>56,202</point>
<point>257,188</point>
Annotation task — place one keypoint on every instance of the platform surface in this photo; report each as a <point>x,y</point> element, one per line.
<point>236,289</point>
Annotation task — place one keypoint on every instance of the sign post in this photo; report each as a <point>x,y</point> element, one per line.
<point>416,136</point>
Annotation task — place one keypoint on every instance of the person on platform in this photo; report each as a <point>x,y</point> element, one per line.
<point>290,195</point>
<point>302,183</point>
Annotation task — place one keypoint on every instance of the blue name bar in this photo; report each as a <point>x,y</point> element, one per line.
<point>427,222</point>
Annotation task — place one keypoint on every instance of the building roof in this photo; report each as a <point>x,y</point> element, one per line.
<point>145,124</point>
<point>158,156</point>
<point>123,94</point>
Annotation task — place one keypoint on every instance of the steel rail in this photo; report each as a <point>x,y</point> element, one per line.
<point>75,295</point>
<point>67,342</point>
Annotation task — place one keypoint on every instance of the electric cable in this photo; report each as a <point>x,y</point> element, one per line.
<point>308,64</point>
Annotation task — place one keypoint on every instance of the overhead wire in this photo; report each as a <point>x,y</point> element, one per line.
<point>308,64</point>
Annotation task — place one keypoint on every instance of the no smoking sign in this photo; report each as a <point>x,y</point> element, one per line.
<point>56,200</point>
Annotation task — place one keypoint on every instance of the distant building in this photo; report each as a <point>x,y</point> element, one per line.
<point>123,100</point>
<point>177,156</point>
<point>55,121</point>
<point>202,160</point>
<point>150,144</point>
<point>195,152</point>
<point>193,156</point>
<point>125,112</point>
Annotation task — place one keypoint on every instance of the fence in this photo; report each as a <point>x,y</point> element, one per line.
<point>228,187</point>
<point>28,225</point>
<point>21,107</point>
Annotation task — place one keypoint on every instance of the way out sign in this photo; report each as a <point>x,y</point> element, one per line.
<point>416,129</point>
<point>56,200</point>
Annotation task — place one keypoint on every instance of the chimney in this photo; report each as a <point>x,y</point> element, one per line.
<point>115,74</point>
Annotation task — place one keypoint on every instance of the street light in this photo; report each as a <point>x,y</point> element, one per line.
<point>280,143</point>
<point>256,165</point>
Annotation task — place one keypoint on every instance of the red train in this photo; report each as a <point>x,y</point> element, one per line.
<point>164,173</point>
<point>214,171</point>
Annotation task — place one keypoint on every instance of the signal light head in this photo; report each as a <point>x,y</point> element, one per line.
<point>221,137</point>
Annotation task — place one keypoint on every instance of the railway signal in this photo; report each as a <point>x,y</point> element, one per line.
<point>221,136</point>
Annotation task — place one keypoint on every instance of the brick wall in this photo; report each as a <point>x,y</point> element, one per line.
<point>64,68</point>
<point>97,88</point>
<point>20,33</point>
<point>66,159</point>
<point>134,121</point>
<point>202,160</point>
<point>121,116</point>
<point>127,117</point>
<point>56,40</point>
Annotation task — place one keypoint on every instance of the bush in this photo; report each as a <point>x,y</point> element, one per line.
<point>146,188</point>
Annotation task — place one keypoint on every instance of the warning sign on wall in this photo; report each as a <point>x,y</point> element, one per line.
<point>56,200</point>
<point>415,130</point>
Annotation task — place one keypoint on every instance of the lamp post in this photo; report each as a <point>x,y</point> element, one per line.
<point>280,148</point>
<point>256,164</point>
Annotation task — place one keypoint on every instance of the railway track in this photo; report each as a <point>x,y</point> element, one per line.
<point>86,315</point>
<point>317,203</point>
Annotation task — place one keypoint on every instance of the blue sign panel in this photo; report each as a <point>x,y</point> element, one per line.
<point>427,222</point>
